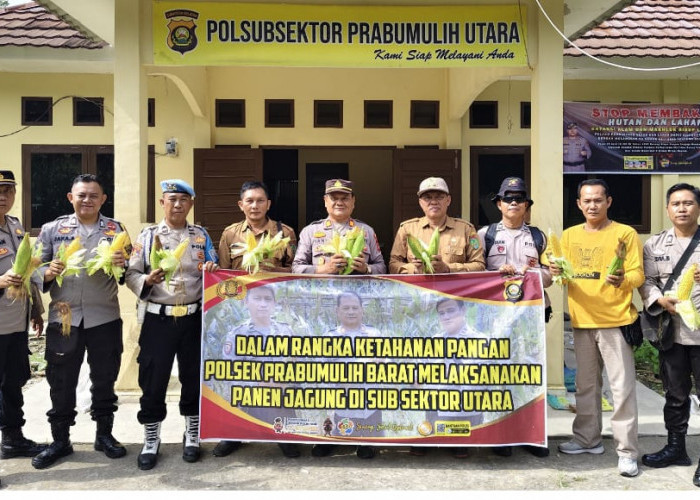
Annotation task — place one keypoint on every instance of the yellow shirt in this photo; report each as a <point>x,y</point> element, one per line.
<point>593,303</point>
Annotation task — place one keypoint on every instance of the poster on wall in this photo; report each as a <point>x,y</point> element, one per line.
<point>631,138</point>
<point>347,36</point>
<point>456,359</point>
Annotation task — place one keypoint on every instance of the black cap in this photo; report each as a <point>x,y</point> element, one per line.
<point>7,178</point>
<point>512,185</point>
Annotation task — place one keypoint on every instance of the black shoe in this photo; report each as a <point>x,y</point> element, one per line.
<point>190,454</point>
<point>460,452</point>
<point>366,451</point>
<point>51,454</point>
<point>146,461</point>
<point>290,450</point>
<point>20,448</point>
<point>418,451</point>
<point>672,454</point>
<point>502,451</point>
<point>225,448</point>
<point>322,450</point>
<point>696,476</point>
<point>110,446</point>
<point>538,451</point>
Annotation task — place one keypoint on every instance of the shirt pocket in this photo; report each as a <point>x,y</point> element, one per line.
<point>454,253</point>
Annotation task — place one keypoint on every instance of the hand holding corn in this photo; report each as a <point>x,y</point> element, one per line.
<point>26,262</point>
<point>559,266</point>
<point>616,270</point>
<point>427,253</point>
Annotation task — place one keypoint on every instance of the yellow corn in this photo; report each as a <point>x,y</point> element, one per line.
<point>553,245</point>
<point>180,249</point>
<point>120,243</point>
<point>685,286</point>
<point>72,248</point>
<point>619,260</point>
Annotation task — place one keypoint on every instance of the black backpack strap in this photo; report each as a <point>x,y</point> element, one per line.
<point>538,239</point>
<point>489,238</point>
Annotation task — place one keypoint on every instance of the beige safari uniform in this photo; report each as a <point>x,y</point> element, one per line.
<point>236,233</point>
<point>459,245</point>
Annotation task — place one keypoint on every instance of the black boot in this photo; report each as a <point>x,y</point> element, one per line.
<point>696,476</point>
<point>190,441</point>
<point>104,441</point>
<point>672,454</point>
<point>148,457</point>
<point>60,447</point>
<point>14,444</point>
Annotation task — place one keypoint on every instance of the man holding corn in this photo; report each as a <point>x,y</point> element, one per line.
<point>17,316</point>
<point>320,242</point>
<point>600,303</point>
<point>458,246</point>
<point>512,247</point>
<point>165,273</point>
<point>677,363</point>
<point>83,316</point>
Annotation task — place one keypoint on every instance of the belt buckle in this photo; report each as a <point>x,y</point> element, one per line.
<point>179,311</point>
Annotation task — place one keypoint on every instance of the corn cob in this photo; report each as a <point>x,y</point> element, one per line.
<point>120,243</point>
<point>155,255</point>
<point>170,260</point>
<point>685,285</point>
<point>355,244</point>
<point>420,251</point>
<point>71,256</point>
<point>618,261</point>
<point>27,261</point>
<point>103,259</point>
<point>425,252</point>
<point>555,256</point>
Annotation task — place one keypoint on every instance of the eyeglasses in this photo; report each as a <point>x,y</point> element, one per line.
<point>516,199</point>
<point>435,197</point>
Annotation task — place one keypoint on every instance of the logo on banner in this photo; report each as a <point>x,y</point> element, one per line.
<point>182,37</point>
<point>346,427</point>
<point>513,291</point>
<point>425,428</point>
<point>231,289</point>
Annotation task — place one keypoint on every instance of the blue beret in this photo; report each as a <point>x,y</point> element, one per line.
<point>176,186</point>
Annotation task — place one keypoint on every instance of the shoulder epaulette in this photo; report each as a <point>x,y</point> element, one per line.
<point>12,218</point>
<point>409,220</point>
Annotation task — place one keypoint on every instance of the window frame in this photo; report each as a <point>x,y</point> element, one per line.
<point>436,113</point>
<point>371,102</point>
<point>49,114</point>
<point>269,102</point>
<point>319,102</point>
<point>97,101</point>
<point>217,113</point>
<point>494,124</point>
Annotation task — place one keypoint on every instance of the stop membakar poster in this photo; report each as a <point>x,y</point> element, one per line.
<point>454,359</point>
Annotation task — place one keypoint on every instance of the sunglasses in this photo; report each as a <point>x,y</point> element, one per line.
<point>516,199</point>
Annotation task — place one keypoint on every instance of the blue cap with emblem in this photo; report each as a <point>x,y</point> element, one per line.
<point>176,186</point>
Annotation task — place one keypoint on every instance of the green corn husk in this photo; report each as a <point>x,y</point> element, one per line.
<point>104,253</point>
<point>169,260</point>
<point>349,246</point>
<point>71,256</point>
<point>619,260</point>
<point>425,252</point>
<point>26,263</point>
<point>555,256</point>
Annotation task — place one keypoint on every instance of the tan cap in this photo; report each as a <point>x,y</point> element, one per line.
<point>433,184</point>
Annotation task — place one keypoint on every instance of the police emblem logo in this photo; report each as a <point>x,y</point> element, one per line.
<point>319,234</point>
<point>231,288</point>
<point>200,266</point>
<point>111,226</point>
<point>3,251</point>
<point>109,233</point>
<point>200,239</point>
<point>19,232</point>
<point>200,255</point>
<point>513,290</point>
<point>181,35</point>
<point>65,230</point>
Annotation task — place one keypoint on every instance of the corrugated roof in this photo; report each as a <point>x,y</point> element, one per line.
<point>31,25</point>
<point>647,28</point>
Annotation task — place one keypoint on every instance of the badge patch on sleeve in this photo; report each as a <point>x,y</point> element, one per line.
<point>474,242</point>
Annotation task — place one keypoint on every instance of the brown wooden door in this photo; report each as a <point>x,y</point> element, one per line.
<point>411,166</point>
<point>218,176</point>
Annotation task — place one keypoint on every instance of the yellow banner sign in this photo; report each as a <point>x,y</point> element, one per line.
<point>186,33</point>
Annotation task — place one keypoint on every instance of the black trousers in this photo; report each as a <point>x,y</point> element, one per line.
<point>64,356</point>
<point>162,339</point>
<point>676,366</point>
<point>14,373</point>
